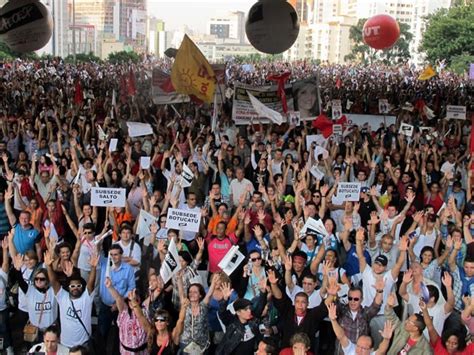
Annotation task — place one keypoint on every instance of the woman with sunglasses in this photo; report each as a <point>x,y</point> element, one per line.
<point>42,306</point>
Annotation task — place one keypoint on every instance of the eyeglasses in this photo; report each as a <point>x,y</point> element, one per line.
<point>40,279</point>
<point>317,196</point>
<point>256,259</point>
<point>161,319</point>
<point>74,286</point>
<point>355,299</point>
<point>86,232</point>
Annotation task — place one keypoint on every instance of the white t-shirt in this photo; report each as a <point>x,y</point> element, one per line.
<point>436,312</point>
<point>424,240</point>
<point>85,253</point>
<point>38,301</point>
<point>40,348</point>
<point>72,332</point>
<point>26,274</point>
<point>3,289</point>
<point>369,292</point>
<point>135,254</point>
<point>350,349</point>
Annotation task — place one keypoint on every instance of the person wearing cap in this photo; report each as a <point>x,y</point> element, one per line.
<point>370,275</point>
<point>242,328</point>
<point>385,246</point>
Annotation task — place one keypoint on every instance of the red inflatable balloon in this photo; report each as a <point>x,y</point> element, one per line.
<point>381,32</point>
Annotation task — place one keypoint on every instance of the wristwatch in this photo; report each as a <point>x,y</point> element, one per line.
<point>379,291</point>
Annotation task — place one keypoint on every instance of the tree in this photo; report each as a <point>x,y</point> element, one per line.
<point>83,58</point>
<point>7,54</point>
<point>460,63</point>
<point>449,33</point>
<point>398,53</point>
<point>123,57</point>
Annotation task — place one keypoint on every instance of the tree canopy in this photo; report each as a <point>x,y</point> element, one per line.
<point>123,57</point>
<point>361,52</point>
<point>449,34</point>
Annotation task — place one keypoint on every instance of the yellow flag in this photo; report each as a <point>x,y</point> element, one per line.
<point>191,73</point>
<point>427,74</point>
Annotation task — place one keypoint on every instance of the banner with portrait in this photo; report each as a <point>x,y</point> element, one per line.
<point>307,99</point>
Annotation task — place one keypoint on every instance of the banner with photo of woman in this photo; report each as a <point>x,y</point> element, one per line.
<point>307,100</point>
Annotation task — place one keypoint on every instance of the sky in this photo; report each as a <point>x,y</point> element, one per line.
<point>193,13</point>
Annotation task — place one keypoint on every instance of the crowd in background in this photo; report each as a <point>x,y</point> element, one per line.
<point>392,272</point>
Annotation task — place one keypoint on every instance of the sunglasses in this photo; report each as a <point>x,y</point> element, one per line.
<point>255,259</point>
<point>161,319</point>
<point>355,299</point>
<point>317,196</point>
<point>72,287</point>
<point>40,279</point>
<point>163,221</point>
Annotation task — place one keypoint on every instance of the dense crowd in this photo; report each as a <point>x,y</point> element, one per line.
<point>391,272</point>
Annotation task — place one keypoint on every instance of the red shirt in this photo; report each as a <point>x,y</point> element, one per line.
<point>217,249</point>
<point>289,351</point>
<point>439,349</point>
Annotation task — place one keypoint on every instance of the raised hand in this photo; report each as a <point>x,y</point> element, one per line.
<point>288,262</point>
<point>403,245</point>
<point>332,311</point>
<point>447,280</point>
<point>408,276</point>
<point>226,290</point>
<point>18,261</point>
<point>392,300</point>
<point>68,267</point>
<point>360,235</point>
<point>257,231</point>
<point>387,331</point>
<point>200,243</point>
<point>272,277</point>
<point>379,284</point>
<point>108,282</point>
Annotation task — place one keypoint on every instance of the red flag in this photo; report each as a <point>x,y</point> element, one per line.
<point>123,89</point>
<point>167,85</point>
<point>281,79</point>
<point>78,95</point>
<point>324,124</point>
<point>338,83</point>
<point>131,86</point>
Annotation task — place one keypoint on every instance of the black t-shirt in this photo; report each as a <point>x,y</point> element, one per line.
<point>364,211</point>
<point>247,343</point>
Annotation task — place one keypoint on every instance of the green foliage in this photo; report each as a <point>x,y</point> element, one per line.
<point>83,58</point>
<point>123,57</point>
<point>449,33</point>
<point>460,63</point>
<point>361,52</point>
<point>257,58</point>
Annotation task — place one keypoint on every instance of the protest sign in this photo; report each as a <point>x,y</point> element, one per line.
<point>113,145</point>
<point>348,191</point>
<point>242,109</point>
<point>456,112</point>
<point>307,99</point>
<point>337,129</point>
<point>145,220</point>
<point>406,129</point>
<point>171,263</point>
<point>315,226</point>
<point>316,138</point>
<point>186,177</point>
<point>318,174</point>
<point>144,162</point>
<point>320,151</point>
<point>336,109</point>
<point>161,81</point>
<point>231,260</point>
<point>384,107</point>
<point>185,220</point>
<point>294,118</point>
<point>108,197</point>
<point>374,121</point>
<point>138,129</point>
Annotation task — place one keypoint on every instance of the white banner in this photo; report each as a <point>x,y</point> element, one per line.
<point>183,220</point>
<point>108,197</point>
<point>171,263</point>
<point>384,107</point>
<point>348,191</point>
<point>265,112</point>
<point>456,112</point>
<point>406,129</point>
<point>314,226</point>
<point>138,129</point>
<point>231,260</point>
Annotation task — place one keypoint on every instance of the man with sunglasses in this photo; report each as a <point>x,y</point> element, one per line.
<point>354,318</point>
<point>75,304</point>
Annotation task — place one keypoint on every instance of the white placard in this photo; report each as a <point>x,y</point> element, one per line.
<point>108,197</point>
<point>231,260</point>
<point>317,138</point>
<point>113,145</point>
<point>315,226</point>
<point>348,191</point>
<point>318,174</point>
<point>336,109</point>
<point>337,129</point>
<point>294,118</point>
<point>145,220</point>
<point>185,220</point>
<point>384,107</point>
<point>145,162</point>
<point>320,151</point>
<point>456,112</point>
<point>186,177</point>
<point>406,129</point>
<point>171,263</point>
<point>264,111</point>
<point>138,129</point>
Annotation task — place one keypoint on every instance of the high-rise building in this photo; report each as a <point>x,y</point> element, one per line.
<point>304,9</point>
<point>156,37</point>
<point>57,45</point>
<point>228,26</point>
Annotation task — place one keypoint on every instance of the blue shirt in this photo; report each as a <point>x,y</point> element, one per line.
<point>123,280</point>
<point>352,261</point>
<point>25,239</point>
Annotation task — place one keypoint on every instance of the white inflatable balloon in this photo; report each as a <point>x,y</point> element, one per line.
<point>272,26</point>
<point>25,25</point>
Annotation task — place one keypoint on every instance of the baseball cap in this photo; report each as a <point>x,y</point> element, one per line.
<point>241,303</point>
<point>381,259</point>
<point>364,189</point>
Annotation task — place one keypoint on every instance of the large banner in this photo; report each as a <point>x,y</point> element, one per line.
<point>307,99</point>
<point>242,109</point>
